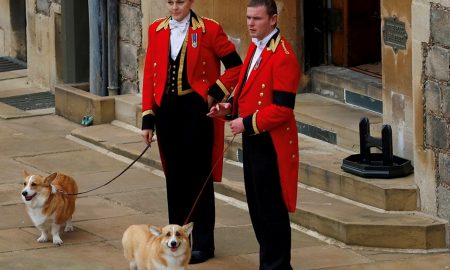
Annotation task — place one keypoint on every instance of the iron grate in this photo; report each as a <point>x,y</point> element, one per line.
<point>35,101</point>
<point>9,64</point>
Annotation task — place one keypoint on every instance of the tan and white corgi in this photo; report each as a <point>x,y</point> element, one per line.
<point>48,203</point>
<point>153,248</point>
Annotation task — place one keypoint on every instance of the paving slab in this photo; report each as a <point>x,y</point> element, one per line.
<point>71,161</point>
<point>319,257</point>
<point>112,229</point>
<point>98,256</point>
<point>12,170</point>
<point>96,208</point>
<point>13,74</point>
<point>78,236</point>
<point>8,87</point>
<point>131,180</point>
<point>431,262</point>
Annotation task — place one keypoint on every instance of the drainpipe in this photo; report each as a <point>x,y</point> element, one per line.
<point>113,55</point>
<point>97,48</point>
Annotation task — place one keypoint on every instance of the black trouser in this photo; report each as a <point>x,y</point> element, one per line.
<point>267,209</point>
<point>185,138</point>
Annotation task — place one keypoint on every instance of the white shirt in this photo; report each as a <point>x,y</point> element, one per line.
<point>260,45</point>
<point>178,30</point>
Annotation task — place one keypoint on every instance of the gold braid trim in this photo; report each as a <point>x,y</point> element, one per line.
<point>255,127</point>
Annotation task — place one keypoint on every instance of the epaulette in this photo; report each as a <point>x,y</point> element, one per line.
<point>164,23</point>
<point>198,23</point>
<point>209,19</point>
<point>286,51</point>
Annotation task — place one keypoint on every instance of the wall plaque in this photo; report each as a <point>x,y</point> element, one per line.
<point>394,33</point>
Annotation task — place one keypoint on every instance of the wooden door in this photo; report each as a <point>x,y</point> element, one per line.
<point>359,39</point>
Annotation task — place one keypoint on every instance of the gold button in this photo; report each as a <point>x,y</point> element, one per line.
<point>174,72</point>
<point>154,84</point>
<point>173,78</point>
<point>257,110</point>
<point>154,64</point>
<point>293,156</point>
<point>290,141</point>
<point>173,84</point>
<point>204,72</point>
<point>174,66</point>
<point>204,63</point>
<point>263,86</point>
<point>154,94</point>
<point>259,102</point>
<point>204,80</point>
<point>288,128</point>
<point>154,74</point>
<point>173,91</point>
<point>261,94</point>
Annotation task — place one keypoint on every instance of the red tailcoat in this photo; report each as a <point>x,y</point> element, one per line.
<point>207,46</point>
<point>266,102</point>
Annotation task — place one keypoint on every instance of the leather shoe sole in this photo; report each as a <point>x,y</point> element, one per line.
<point>200,256</point>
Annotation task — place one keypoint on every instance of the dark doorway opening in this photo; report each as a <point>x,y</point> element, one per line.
<point>17,10</point>
<point>343,33</point>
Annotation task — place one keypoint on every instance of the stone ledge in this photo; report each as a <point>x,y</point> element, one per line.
<point>73,102</point>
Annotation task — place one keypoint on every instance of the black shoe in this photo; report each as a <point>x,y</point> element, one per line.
<point>200,256</point>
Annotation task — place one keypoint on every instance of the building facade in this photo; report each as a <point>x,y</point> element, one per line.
<point>403,43</point>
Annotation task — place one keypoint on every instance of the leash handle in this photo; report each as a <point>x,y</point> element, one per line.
<point>107,183</point>
<point>206,182</point>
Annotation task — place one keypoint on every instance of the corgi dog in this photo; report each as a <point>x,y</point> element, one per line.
<point>48,203</point>
<point>154,248</point>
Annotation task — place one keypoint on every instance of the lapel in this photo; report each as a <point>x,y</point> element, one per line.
<point>195,35</point>
<point>243,73</point>
<point>261,62</point>
<point>162,44</point>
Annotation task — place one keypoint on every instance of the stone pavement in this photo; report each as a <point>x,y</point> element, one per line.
<point>41,142</point>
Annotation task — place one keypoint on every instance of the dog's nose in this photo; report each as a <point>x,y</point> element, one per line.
<point>173,243</point>
<point>24,193</point>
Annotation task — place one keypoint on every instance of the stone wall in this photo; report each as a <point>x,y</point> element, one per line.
<point>44,42</point>
<point>13,29</point>
<point>397,81</point>
<point>436,91</point>
<point>130,45</point>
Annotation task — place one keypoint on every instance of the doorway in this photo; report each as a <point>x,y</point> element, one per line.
<point>343,33</point>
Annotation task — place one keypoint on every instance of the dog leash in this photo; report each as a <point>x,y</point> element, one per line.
<point>117,176</point>
<point>206,182</point>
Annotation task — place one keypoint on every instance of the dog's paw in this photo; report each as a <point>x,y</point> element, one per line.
<point>42,239</point>
<point>69,228</point>
<point>57,241</point>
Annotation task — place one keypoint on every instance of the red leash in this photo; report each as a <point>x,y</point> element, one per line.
<point>206,182</point>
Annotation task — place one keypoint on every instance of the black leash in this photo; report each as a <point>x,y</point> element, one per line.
<point>117,176</point>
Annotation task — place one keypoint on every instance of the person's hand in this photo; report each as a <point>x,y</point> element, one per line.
<point>147,135</point>
<point>237,126</point>
<point>211,101</point>
<point>220,109</point>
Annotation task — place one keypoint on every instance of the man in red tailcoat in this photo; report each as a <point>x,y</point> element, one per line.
<point>262,107</point>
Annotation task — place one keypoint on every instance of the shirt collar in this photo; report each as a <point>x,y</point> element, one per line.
<point>263,43</point>
<point>183,23</point>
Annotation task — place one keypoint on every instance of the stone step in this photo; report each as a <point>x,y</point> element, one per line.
<point>332,121</point>
<point>355,224</point>
<point>348,86</point>
<point>332,216</point>
<point>320,167</point>
<point>319,162</point>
